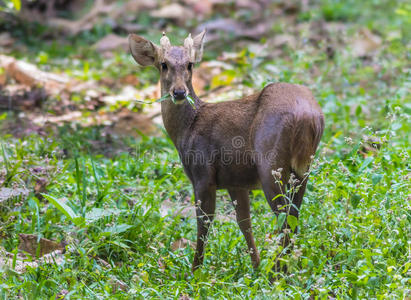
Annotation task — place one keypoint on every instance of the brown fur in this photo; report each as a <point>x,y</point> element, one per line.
<point>279,127</point>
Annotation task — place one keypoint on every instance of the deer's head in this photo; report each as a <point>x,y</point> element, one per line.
<point>175,63</point>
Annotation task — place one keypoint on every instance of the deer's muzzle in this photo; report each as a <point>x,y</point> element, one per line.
<point>179,94</point>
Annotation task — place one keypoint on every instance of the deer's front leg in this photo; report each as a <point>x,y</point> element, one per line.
<point>205,196</point>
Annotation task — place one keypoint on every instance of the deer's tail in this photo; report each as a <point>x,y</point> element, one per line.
<point>306,137</point>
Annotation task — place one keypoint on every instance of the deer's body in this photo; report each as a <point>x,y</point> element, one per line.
<point>236,145</point>
<point>231,145</point>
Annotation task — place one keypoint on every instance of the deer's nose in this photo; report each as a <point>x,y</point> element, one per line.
<point>179,94</point>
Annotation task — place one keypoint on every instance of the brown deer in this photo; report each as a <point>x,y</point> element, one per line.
<point>234,145</point>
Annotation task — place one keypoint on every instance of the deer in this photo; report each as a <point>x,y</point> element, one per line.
<point>274,131</point>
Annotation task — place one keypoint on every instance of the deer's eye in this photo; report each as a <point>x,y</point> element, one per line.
<point>190,66</point>
<point>163,66</point>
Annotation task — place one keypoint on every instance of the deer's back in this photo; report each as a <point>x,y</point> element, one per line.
<point>281,104</point>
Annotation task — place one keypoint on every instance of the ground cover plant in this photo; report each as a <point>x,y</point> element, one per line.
<point>110,204</point>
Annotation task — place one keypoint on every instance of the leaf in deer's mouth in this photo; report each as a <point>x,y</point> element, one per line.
<point>190,100</point>
<point>165,97</point>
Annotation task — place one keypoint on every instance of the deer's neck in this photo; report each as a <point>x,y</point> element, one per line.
<point>178,118</point>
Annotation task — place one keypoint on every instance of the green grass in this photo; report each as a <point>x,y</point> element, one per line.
<point>103,196</point>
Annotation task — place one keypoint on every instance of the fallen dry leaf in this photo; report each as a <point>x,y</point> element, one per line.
<point>365,43</point>
<point>200,8</point>
<point>9,193</point>
<point>129,79</point>
<point>128,123</point>
<point>40,186</point>
<point>166,207</point>
<point>186,210</point>
<point>117,284</point>
<point>181,244</point>
<point>103,262</point>
<point>281,40</point>
<point>111,42</point>
<point>228,217</point>
<point>75,86</point>
<point>29,243</point>
<point>161,264</point>
<point>60,120</point>
<point>234,28</point>
<point>7,259</point>
<point>129,27</point>
<point>172,11</point>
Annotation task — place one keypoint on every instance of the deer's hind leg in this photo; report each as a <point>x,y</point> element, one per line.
<point>274,177</point>
<point>299,187</point>
<point>274,174</point>
<point>241,202</point>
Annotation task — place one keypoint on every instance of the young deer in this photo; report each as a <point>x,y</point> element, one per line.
<point>234,145</point>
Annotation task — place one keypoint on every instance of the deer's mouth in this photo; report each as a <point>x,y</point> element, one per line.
<point>179,100</point>
<point>179,94</point>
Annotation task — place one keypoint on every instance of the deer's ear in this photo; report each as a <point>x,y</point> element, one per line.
<point>144,52</point>
<point>198,43</point>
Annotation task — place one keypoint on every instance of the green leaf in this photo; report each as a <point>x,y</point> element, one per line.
<point>358,110</point>
<point>355,199</point>
<point>365,164</point>
<point>396,126</point>
<point>65,209</point>
<point>98,213</point>
<point>191,101</point>
<point>119,244</point>
<point>165,97</point>
<point>376,178</point>
<point>118,228</point>
<point>281,220</point>
<point>292,221</point>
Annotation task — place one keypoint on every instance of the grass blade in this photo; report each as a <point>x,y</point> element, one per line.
<point>65,209</point>
<point>77,176</point>
<point>96,179</point>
